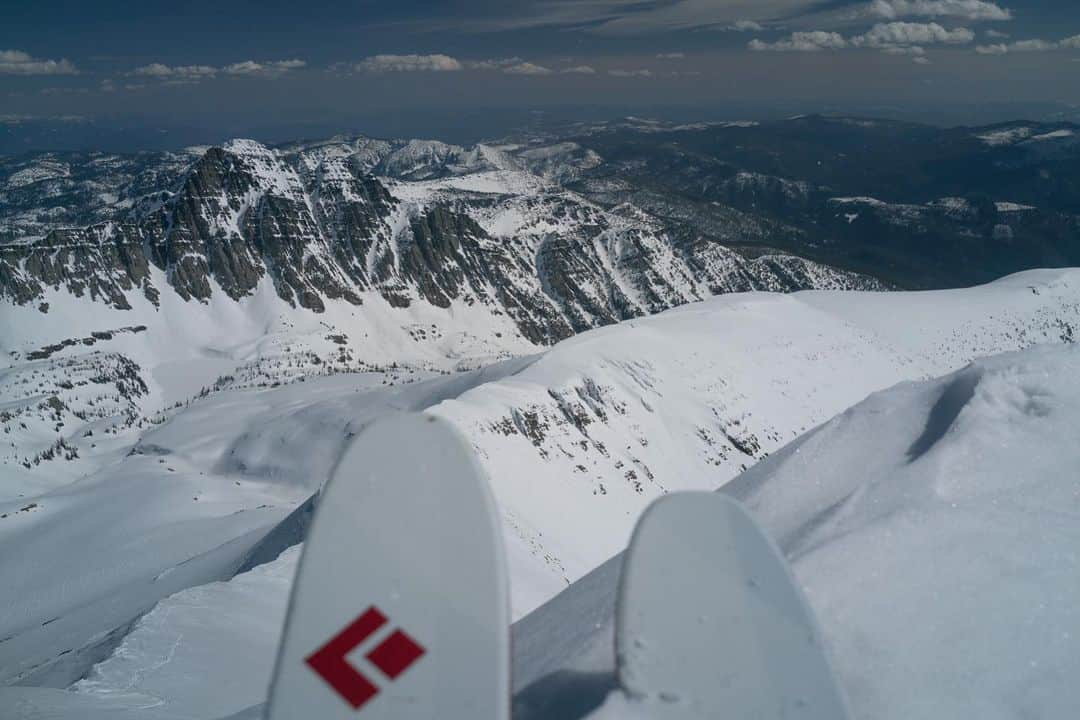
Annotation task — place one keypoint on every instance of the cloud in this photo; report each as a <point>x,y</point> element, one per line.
<point>886,35</point>
<point>265,69</point>
<point>1028,46</point>
<point>445,63</point>
<point>19,119</point>
<point>746,26</point>
<point>1032,46</point>
<point>996,34</point>
<point>409,63</point>
<point>813,41</point>
<point>17,62</point>
<point>64,91</point>
<point>638,17</point>
<point>904,50</point>
<point>619,73</point>
<point>921,60</point>
<point>671,56</point>
<point>527,68</point>
<point>189,72</point>
<point>495,64</point>
<point>967,9</point>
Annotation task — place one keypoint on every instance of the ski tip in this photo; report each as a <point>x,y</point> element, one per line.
<point>400,607</point>
<point>708,612</point>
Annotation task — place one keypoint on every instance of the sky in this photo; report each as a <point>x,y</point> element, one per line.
<point>154,73</point>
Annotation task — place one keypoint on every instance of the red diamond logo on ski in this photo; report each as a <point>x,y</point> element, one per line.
<point>393,656</point>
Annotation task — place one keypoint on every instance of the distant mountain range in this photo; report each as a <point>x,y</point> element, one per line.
<point>413,221</point>
<point>563,230</point>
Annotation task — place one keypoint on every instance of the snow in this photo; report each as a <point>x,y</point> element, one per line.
<point>1006,136</point>
<point>577,441</point>
<point>873,202</point>
<point>1012,207</point>
<point>44,170</point>
<point>184,507</point>
<point>933,529</point>
<point>1053,135</point>
<point>170,649</point>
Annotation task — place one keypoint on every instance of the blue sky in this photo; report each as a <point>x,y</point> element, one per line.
<point>229,66</point>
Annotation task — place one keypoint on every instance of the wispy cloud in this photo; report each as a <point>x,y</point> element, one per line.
<point>967,9</point>
<point>17,62</point>
<point>813,41</point>
<point>527,68</point>
<point>888,35</point>
<point>1028,46</point>
<point>638,17</point>
<point>746,26</point>
<point>160,70</point>
<point>579,70</point>
<point>189,74</point>
<point>621,73</point>
<point>409,63</point>
<point>20,118</point>
<point>439,62</point>
<point>894,38</point>
<point>266,69</point>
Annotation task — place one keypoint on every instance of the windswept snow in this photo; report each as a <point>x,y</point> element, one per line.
<point>1006,136</point>
<point>186,505</point>
<point>933,527</point>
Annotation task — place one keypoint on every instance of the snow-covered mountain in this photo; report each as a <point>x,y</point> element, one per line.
<point>576,439</point>
<point>256,266</point>
<point>458,224</point>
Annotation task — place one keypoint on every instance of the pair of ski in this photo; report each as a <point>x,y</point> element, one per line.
<point>400,607</point>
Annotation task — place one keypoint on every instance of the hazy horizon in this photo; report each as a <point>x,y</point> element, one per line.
<point>98,76</point>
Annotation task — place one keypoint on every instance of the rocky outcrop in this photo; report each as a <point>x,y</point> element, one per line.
<point>103,262</point>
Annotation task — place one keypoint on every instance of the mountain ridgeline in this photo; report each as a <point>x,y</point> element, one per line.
<point>324,221</point>
<point>562,230</point>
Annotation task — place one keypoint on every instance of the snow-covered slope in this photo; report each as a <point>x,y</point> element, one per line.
<point>576,440</point>
<point>933,527</point>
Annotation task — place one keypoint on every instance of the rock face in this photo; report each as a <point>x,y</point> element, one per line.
<point>454,225</point>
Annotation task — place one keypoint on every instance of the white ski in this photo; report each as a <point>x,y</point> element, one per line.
<point>400,606</point>
<point>710,623</point>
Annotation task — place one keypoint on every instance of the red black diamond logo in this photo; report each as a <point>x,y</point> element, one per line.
<point>393,656</point>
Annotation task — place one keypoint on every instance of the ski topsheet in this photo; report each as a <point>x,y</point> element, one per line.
<point>400,607</point>
<point>710,623</point>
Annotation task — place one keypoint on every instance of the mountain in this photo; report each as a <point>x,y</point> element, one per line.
<point>445,224</point>
<point>243,265</point>
<point>563,228</point>
<point>916,206</point>
<point>576,440</point>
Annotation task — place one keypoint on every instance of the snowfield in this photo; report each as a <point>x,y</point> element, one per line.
<point>932,525</point>
<point>934,529</point>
